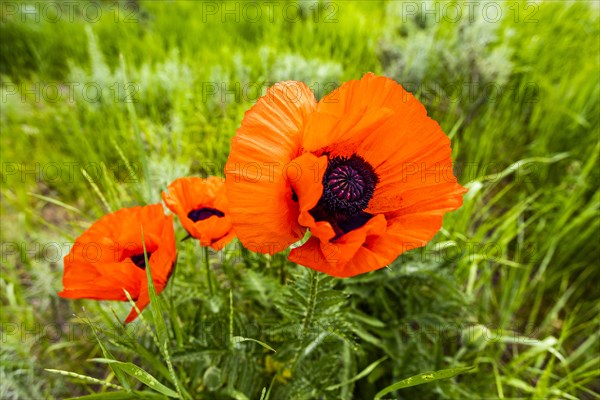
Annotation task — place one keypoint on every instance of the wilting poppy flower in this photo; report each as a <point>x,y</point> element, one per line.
<point>201,206</point>
<point>108,258</point>
<point>364,169</point>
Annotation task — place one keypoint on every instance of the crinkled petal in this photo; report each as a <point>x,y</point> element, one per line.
<point>258,190</point>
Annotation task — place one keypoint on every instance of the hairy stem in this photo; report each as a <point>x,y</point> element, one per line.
<point>208,273</point>
<point>282,266</point>
<point>312,299</point>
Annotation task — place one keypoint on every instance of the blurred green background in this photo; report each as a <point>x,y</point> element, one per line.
<point>104,103</point>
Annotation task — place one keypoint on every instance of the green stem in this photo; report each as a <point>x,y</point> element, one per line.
<point>208,273</point>
<point>312,299</point>
<point>231,319</point>
<point>282,270</point>
<point>310,310</point>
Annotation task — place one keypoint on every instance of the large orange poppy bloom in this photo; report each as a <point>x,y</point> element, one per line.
<point>108,258</point>
<point>201,206</point>
<point>364,169</point>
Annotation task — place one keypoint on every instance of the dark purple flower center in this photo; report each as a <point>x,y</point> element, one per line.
<point>203,213</point>
<point>348,186</point>
<point>139,260</point>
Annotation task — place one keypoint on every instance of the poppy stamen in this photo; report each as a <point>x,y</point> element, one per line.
<point>139,260</point>
<point>203,213</point>
<point>348,185</point>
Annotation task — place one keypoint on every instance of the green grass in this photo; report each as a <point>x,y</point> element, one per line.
<point>509,285</point>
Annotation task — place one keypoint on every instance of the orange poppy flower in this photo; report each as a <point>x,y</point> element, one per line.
<point>108,258</point>
<point>201,206</point>
<point>364,169</point>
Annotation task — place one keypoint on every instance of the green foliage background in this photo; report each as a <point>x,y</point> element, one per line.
<point>509,285</point>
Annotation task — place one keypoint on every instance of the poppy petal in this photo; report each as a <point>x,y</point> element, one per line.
<point>187,195</point>
<point>350,113</point>
<point>258,191</point>
<point>100,265</point>
<point>419,170</point>
<point>335,258</point>
<point>308,188</point>
<point>374,125</point>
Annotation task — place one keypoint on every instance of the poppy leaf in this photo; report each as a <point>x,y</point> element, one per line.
<point>157,317</point>
<point>426,377</point>
<point>56,202</point>
<point>84,378</point>
<point>159,322</point>
<point>107,354</point>
<point>141,375</point>
<point>120,395</point>
<point>361,375</point>
<point>239,339</point>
